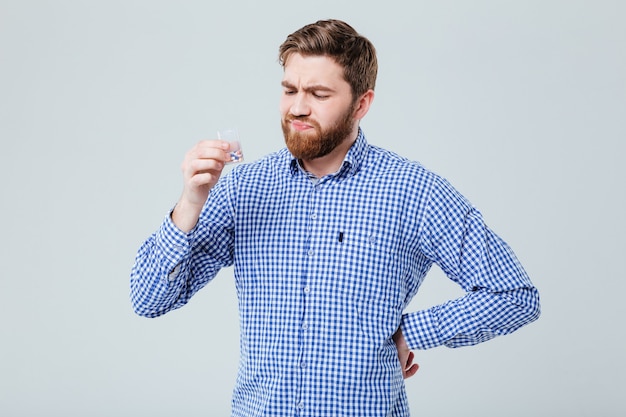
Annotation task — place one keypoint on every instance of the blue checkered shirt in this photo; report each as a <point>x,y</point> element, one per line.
<point>324,270</point>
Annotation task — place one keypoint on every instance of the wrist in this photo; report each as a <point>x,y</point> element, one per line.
<point>185,215</point>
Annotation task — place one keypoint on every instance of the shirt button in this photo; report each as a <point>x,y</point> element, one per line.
<point>311,252</point>
<point>300,405</point>
<point>307,290</point>
<point>314,216</point>
<point>302,364</point>
<point>305,326</point>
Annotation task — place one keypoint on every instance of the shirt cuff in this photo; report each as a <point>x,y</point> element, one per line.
<point>420,330</point>
<point>174,244</point>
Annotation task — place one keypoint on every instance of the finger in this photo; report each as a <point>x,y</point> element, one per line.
<point>205,156</point>
<point>205,165</point>
<point>213,143</point>
<point>409,372</point>
<point>206,150</point>
<point>409,360</point>
<point>210,148</point>
<point>203,178</point>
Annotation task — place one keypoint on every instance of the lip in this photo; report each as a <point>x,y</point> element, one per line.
<point>300,126</point>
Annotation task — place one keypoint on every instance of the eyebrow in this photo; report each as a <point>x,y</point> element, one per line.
<point>316,87</point>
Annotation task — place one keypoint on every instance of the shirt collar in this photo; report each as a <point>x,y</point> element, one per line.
<point>351,164</point>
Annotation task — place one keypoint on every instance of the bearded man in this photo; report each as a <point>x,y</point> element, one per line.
<point>330,238</point>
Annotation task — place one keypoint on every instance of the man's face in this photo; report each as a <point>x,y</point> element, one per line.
<point>316,106</point>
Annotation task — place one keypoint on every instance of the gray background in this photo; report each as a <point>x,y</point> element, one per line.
<point>520,104</point>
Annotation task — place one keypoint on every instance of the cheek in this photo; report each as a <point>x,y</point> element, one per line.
<point>325,118</point>
<point>284,105</point>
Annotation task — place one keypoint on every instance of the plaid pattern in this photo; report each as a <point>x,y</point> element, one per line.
<point>324,270</point>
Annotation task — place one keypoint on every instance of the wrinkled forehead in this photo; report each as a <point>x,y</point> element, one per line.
<point>313,69</point>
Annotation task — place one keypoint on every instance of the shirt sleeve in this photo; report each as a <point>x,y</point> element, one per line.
<point>499,296</point>
<point>171,266</point>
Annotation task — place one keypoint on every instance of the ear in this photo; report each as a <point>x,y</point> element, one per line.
<point>363,104</point>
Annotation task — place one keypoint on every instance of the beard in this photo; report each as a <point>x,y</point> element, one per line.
<point>321,142</point>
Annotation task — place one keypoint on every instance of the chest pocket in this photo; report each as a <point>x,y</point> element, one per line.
<point>369,268</point>
<point>370,277</point>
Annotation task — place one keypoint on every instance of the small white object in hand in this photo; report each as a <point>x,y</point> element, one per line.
<point>231,136</point>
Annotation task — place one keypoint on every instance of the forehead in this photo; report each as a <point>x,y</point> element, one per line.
<point>313,70</point>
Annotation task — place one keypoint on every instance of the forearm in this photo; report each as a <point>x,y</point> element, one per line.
<point>474,318</point>
<point>185,215</point>
<point>157,283</point>
<point>171,266</point>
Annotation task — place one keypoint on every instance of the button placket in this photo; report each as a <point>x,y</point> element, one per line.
<point>301,364</point>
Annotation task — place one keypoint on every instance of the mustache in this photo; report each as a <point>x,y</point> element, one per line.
<point>303,119</point>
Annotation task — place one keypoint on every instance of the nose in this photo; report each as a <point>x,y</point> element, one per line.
<point>300,106</point>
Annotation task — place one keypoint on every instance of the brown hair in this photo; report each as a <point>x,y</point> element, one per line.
<point>339,41</point>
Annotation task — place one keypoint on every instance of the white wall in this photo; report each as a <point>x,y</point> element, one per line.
<point>522,105</point>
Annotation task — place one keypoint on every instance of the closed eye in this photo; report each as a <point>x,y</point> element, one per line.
<point>320,96</point>
<point>320,92</point>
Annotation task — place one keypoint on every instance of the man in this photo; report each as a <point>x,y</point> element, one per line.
<point>330,239</point>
